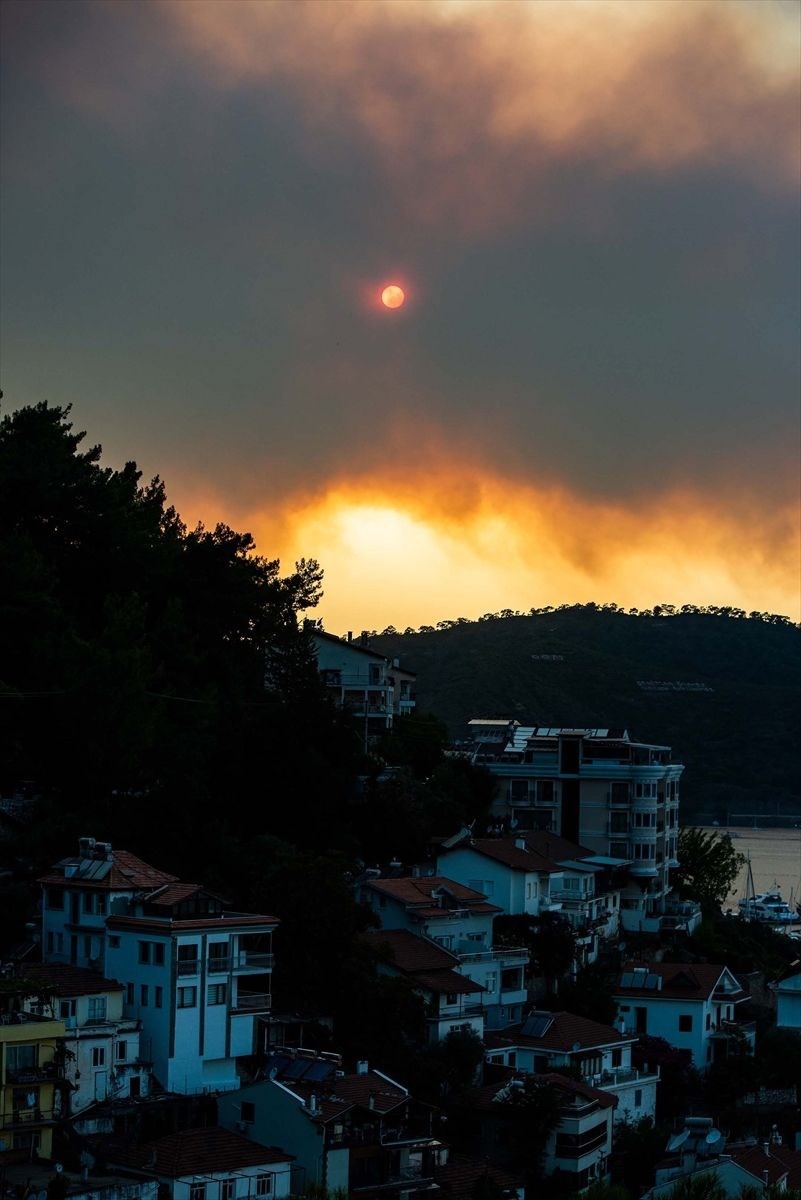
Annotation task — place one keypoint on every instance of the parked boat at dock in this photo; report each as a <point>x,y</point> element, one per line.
<point>768,907</point>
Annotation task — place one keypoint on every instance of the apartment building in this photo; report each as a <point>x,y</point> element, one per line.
<point>105,1059</point>
<point>31,1078</point>
<point>196,975</point>
<point>459,919</point>
<point>375,690</point>
<point>603,790</point>
<point>551,1041</point>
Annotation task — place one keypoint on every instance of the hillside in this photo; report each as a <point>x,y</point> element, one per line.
<point>739,739</point>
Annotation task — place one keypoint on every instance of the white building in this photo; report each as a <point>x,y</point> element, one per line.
<point>602,790</point>
<point>551,1041</point>
<point>453,1001</point>
<point>788,1002</point>
<point>373,689</point>
<point>104,1059</point>
<point>460,920</point>
<point>210,1164</point>
<point>691,1006</point>
<point>196,975</point>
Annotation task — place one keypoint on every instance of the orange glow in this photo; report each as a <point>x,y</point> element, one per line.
<point>393,296</point>
<point>411,551</point>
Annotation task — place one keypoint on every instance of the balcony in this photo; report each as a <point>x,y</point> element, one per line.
<point>640,834</point>
<point>252,1002</point>
<point>244,961</point>
<point>505,955</point>
<point>45,1073</point>
<point>188,967</point>
<point>622,1076</point>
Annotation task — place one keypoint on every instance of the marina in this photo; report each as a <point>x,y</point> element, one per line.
<point>768,887</point>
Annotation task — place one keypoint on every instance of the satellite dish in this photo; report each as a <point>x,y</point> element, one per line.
<point>576,1046</point>
<point>678,1141</point>
<point>713,1137</point>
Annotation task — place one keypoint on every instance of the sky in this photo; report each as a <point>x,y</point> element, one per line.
<point>591,392</point>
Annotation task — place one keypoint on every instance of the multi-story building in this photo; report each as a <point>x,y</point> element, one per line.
<point>373,689</point>
<point>692,1006</point>
<point>210,1164</point>
<point>578,1147</point>
<point>603,790</point>
<point>531,873</point>
<point>453,1001</point>
<point>31,1078</point>
<point>459,919</point>
<point>551,1041</point>
<point>105,1058</point>
<point>362,1133</point>
<point>195,974</point>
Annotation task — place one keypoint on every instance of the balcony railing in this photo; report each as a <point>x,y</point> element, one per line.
<point>501,953</point>
<point>188,967</point>
<point>40,1074</point>
<point>246,960</point>
<point>252,1002</point>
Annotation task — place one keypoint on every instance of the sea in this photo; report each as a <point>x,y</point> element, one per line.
<point>775,856</point>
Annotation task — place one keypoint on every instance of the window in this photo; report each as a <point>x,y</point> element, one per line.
<point>617,1058</point>
<point>638,1097</point>
<point>197,1191</point>
<point>129,993</point>
<point>618,822</point>
<point>159,996</point>
<point>452,998</point>
<point>144,995</point>
<point>94,902</point>
<point>227,1189</point>
<point>187,997</point>
<point>248,1111</point>
<point>217,993</point>
<point>97,1008</point>
<point>685,1023</point>
<point>491,982</point>
<point>122,1051</point>
<point>98,1056</point>
<point>709,1020</point>
<point>55,897</point>
<point>151,952</point>
<point>158,954</point>
<point>50,942</point>
<point>20,1058</point>
<point>188,954</point>
<point>114,941</point>
<point>66,1009</point>
<point>264,1185</point>
<point>144,951</point>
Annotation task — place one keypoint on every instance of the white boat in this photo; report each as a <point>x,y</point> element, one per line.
<point>769,908</point>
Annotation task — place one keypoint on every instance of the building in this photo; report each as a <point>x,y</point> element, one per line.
<point>453,1002</point>
<point>700,1152</point>
<point>373,689</point>
<point>105,1058</point>
<point>578,1146</point>
<point>196,975</point>
<point>210,1164</point>
<point>602,790</point>
<point>788,1002</point>
<point>362,1132</point>
<point>31,1078</point>
<point>459,919</point>
<point>533,872</point>
<point>551,1041</point>
<point>693,1007</point>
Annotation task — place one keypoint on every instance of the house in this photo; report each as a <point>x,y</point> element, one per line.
<point>453,1001</point>
<point>360,1132</point>
<point>460,920</point>
<point>209,1164</point>
<point>551,1041</point>
<point>464,1178</point>
<point>788,1002</point>
<point>105,1060</point>
<point>196,975</point>
<point>534,872</point>
<point>603,790</point>
<point>578,1146</point>
<point>31,1077</point>
<point>700,1151</point>
<point>374,689</point>
<point>691,1006</point>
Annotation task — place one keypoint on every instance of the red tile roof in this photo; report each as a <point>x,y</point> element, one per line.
<point>681,981</point>
<point>126,873</point>
<point>64,980</point>
<point>167,924</point>
<point>780,1161</point>
<point>504,850</point>
<point>446,983</point>
<point>350,1091</point>
<point>566,1032</point>
<point>550,845</point>
<point>489,1097</point>
<point>198,1151</point>
<point>459,1178</point>
<point>409,952</point>
<point>417,891</point>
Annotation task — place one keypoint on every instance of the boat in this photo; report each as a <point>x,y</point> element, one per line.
<point>769,908</point>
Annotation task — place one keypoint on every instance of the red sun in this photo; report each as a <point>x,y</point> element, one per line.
<point>393,296</point>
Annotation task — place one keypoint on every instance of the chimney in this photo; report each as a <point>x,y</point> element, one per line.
<point>520,843</point>
<point>362,1067</point>
<point>371,1100</point>
<point>350,635</point>
<point>766,1148</point>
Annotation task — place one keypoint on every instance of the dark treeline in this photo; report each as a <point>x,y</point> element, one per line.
<point>159,690</point>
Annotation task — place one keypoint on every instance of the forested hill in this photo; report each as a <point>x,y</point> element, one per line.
<point>731,708</point>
